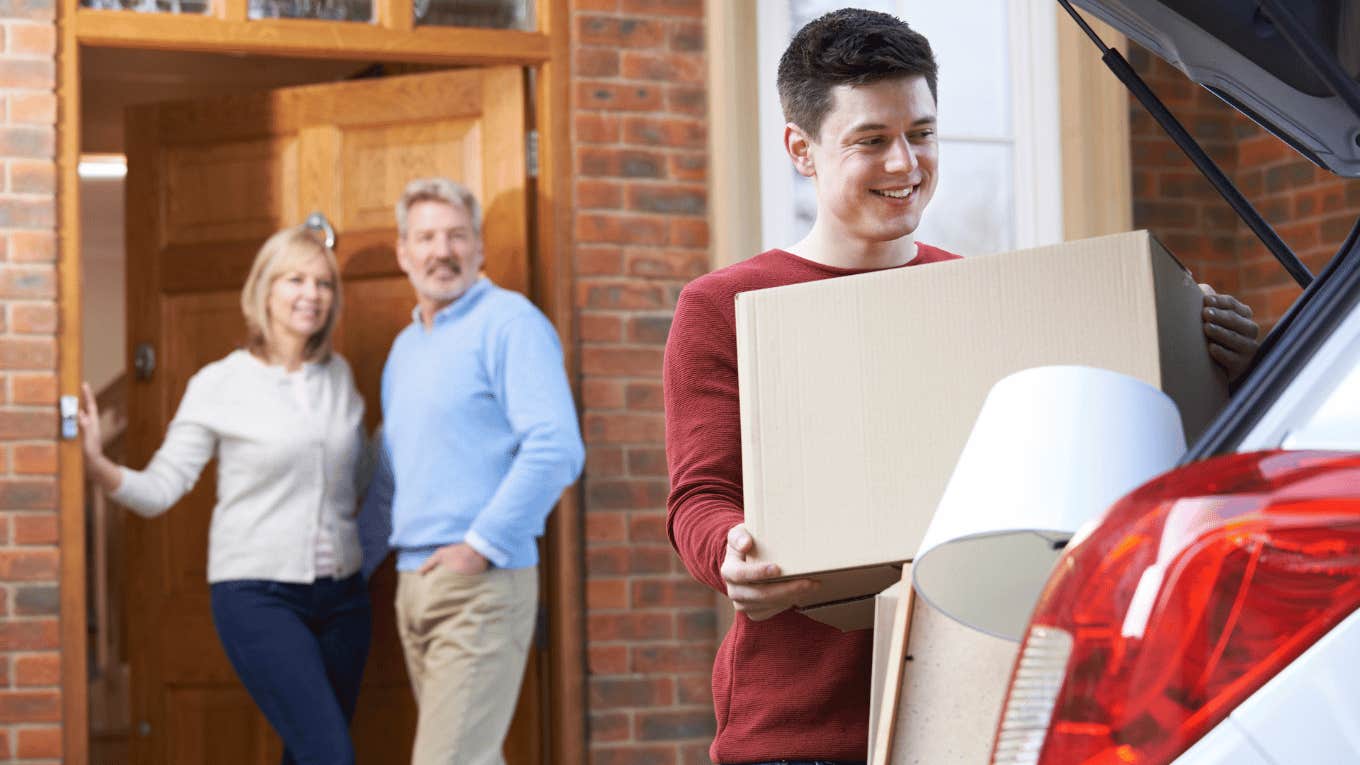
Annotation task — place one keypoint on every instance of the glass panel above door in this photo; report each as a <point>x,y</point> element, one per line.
<point>490,14</point>
<point>188,7</point>
<point>330,10</point>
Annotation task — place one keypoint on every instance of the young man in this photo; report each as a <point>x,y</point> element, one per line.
<point>858,91</point>
<point>479,440</point>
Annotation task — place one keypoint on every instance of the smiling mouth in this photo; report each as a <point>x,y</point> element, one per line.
<point>895,193</point>
<point>445,270</point>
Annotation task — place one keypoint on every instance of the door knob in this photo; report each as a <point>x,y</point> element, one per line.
<point>144,361</point>
<point>317,222</point>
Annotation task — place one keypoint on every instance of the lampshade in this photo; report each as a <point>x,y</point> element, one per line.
<point>1052,449</point>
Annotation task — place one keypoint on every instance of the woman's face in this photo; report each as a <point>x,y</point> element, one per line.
<point>300,299</point>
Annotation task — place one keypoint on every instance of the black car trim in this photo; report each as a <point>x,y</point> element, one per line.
<point>1318,58</point>
<point>1121,68</point>
<point>1310,321</point>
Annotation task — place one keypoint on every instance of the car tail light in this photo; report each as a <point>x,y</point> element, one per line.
<point>1193,591</point>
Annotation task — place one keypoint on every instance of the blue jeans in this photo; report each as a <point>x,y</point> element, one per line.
<point>299,649</point>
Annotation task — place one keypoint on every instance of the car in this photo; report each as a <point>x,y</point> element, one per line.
<point>1211,616</point>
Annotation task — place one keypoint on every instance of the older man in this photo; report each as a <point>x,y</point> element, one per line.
<point>479,440</point>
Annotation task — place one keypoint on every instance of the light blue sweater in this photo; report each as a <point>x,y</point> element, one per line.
<point>479,434</point>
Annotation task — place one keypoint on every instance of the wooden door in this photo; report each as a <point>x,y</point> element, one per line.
<point>207,182</point>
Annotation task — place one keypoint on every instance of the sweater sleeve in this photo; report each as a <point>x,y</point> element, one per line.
<point>189,444</point>
<point>531,384</point>
<point>703,434</point>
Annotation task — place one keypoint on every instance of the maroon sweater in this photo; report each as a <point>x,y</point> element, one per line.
<point>787,687</point>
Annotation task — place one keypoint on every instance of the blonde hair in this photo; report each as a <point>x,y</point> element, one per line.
<point>280,252</point>
<point>438,190</point>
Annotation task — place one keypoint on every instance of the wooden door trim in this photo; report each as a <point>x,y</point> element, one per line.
<point>551,274</point>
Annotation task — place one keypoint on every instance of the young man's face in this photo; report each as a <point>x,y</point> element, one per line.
<point>874,162</point>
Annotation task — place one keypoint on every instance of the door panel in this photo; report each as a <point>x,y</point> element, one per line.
<point>208,181</point>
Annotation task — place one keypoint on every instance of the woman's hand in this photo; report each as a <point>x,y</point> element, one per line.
<point>101,468</point>
<point>91,433</point>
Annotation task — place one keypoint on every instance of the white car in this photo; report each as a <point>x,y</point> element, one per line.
<point>1212,616</point>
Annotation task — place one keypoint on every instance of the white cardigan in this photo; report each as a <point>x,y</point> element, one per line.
<point>285,473</point>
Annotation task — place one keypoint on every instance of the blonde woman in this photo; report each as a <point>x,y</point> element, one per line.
<point>284,420</point>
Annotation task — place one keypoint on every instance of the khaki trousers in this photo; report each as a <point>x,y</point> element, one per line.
<point>466,639</point>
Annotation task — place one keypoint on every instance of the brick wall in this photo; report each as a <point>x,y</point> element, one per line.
<point>1311,209</point>
<point>641,232</point>
<point>30,695</point>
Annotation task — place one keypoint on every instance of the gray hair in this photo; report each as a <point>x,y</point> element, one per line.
<point>438,190</point>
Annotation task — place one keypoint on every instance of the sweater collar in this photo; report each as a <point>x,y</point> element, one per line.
<point>458,307</point>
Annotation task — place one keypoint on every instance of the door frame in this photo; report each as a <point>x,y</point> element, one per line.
<point>391,39</point>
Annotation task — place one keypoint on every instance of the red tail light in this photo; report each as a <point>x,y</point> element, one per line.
<point>1194,591</point>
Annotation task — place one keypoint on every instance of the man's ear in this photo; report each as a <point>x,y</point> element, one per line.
<point>799,146</point>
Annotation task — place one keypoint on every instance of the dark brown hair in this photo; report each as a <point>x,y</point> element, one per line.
<point>850,46</point>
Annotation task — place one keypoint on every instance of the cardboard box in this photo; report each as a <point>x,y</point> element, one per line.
<point>858,393</point>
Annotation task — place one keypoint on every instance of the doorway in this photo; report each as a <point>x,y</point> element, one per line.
<point>212,168</point>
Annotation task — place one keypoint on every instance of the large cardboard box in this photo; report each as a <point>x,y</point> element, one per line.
<point>858,393</point>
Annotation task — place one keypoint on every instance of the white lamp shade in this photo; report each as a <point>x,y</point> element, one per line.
<point>1052,449</point>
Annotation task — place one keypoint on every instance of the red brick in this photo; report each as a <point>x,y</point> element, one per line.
<point>26,74</point>
<point>624,428</point>
<point>606,527</point>
<point>26,282</point>
<point>697,625</point>
<point>31,10</point>
<point>36,743</point>
<point>33,247</point>
<point>603,394</point>
<point>27,424</point>
<point>663,67</point>
<point>28,353</point>
<point>649,329</point>
<point>689,233</point>
<point>36,670</point>
<point>39,635</point>
<point>625,295</point>
<point>610,96</point>
<point>695,689</point>
<point>614,32</point>
<point>30,706</point>
<point>596,128</point>
<point>695,753</point>
<point>671,593</point>
<point>606,594</point>
<point>687,100</point>
<point>666,133</point>
<point>620,163</point>
<point>648,527</point>
<point>679,264</point>
<point>32,177</point>
<point>37,600</point>
<point>595,5</point>
<point>671,659</point>
<point>32,108</point>
<point>34,388</point>
<point>26,213</point>
<point>621,362</point>
<point>600,328</point>
<point>28,565</point>
<point>626,494</point>
<point>645,396</point>
<point>632,754</point>
<point>687,37</point>
<point>630,559</point>
<point>599,195</point>
<point>615,693</point>
<point>33,318</point>
<point>32,39</point>
<point>35,459</point>
<point>603,228</point>
<point>36,529</point>
<point>664,7</point>
<point>596,62</point>
<point>688,167</point>
<point>607,659</point>
<point>668,200</point>
<point>599,260</point>
<point>675,725</point>
<point>610,726</point>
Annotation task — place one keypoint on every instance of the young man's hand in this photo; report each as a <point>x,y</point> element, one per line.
<point>746,588</point>
<point>459,558</point>
<point>1230,331</point>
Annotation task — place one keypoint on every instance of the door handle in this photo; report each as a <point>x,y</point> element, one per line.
<point>317,222</point>
<point>144,361</point>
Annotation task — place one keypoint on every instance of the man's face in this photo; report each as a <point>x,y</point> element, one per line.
<point>874,162</point>
<point>441,252</point>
